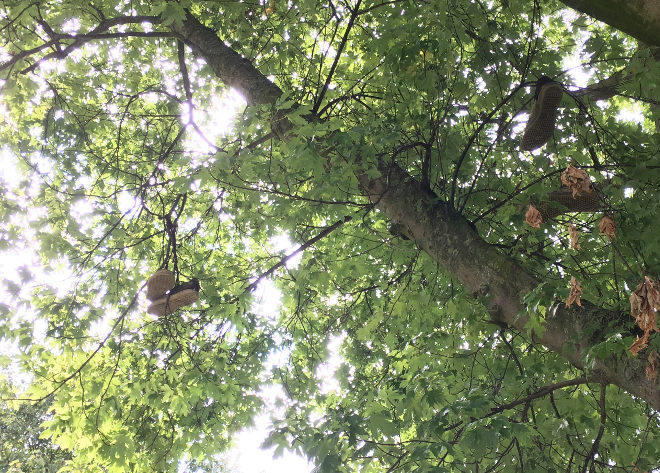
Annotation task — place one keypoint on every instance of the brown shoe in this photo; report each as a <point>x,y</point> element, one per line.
<point>180,296</point>
<point>159,283</point>
<point>541,124</point>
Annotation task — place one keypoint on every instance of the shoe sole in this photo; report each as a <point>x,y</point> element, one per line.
<point>541,124</point>
<point>169,304</point>
<point>159,283</point>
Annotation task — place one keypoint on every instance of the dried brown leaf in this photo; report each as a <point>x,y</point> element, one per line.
<point>573,235</point>
<point>636,303</point>
<point>644,302</point>
<point>608,227</point>
<point>652,367</point>
<point>639,344</point>
<point>574,295</point>
<point>577,180</point>
<point>533,217</point>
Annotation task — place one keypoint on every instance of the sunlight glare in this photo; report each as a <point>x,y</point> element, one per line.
<point>282,243</point>
<point>214,121</point>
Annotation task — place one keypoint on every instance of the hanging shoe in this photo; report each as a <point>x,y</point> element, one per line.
<point>541,124</point>
<point>180,296</point>
<point>159,283</point>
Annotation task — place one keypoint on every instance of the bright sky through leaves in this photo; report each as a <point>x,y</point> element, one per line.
<point>245,456</point>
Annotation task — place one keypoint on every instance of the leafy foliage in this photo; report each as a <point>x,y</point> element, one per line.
<point>21,447</point>
<point>112,121</point>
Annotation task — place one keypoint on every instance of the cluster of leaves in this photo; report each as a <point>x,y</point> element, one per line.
<point>644,304</point>
<point>22,448</point>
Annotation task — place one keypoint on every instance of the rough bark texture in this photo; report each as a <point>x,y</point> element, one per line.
<point>450,239</point>
<point>603,90</point>
<point>639,18</point>
<point>610,87</point>
<point>230,67</point>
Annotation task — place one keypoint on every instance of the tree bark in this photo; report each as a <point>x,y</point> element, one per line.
<point>231,68</point>
<point>639,18</point>
<point>603,90</point>
<point>451,240</point>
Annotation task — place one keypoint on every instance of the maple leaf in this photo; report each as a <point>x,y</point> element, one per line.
<point>573,235</point>
<point>608,227</point>
<point>644,302</point>
<point>577,180</point>
<point>574,295</point>
<point>533,217</point>
<point>639,344</point>
<point>652,367</point>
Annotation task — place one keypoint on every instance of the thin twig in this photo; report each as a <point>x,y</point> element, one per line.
<point>474,137</point>
<point>302,247</point>
<point>603,418</point>
<point>354,15</point>
<point>78,370</point>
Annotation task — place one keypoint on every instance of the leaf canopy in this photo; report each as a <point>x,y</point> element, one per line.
<point>119,164</point>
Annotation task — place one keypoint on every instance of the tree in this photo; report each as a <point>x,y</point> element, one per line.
<point>382,138</point>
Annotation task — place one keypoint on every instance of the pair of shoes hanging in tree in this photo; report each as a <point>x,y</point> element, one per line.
<point>541,124</point>
<point>166,297</point>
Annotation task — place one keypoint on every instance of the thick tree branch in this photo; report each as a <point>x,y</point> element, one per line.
<point>454,243</point>
<point>639,18</point>
<point>609,87</point>
<point>603,90</point>
<point>230,67</point>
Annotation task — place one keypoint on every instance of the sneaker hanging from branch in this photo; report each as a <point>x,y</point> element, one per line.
<point>159,283</point>
<point>541,124</point>
<point>179,296</point>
